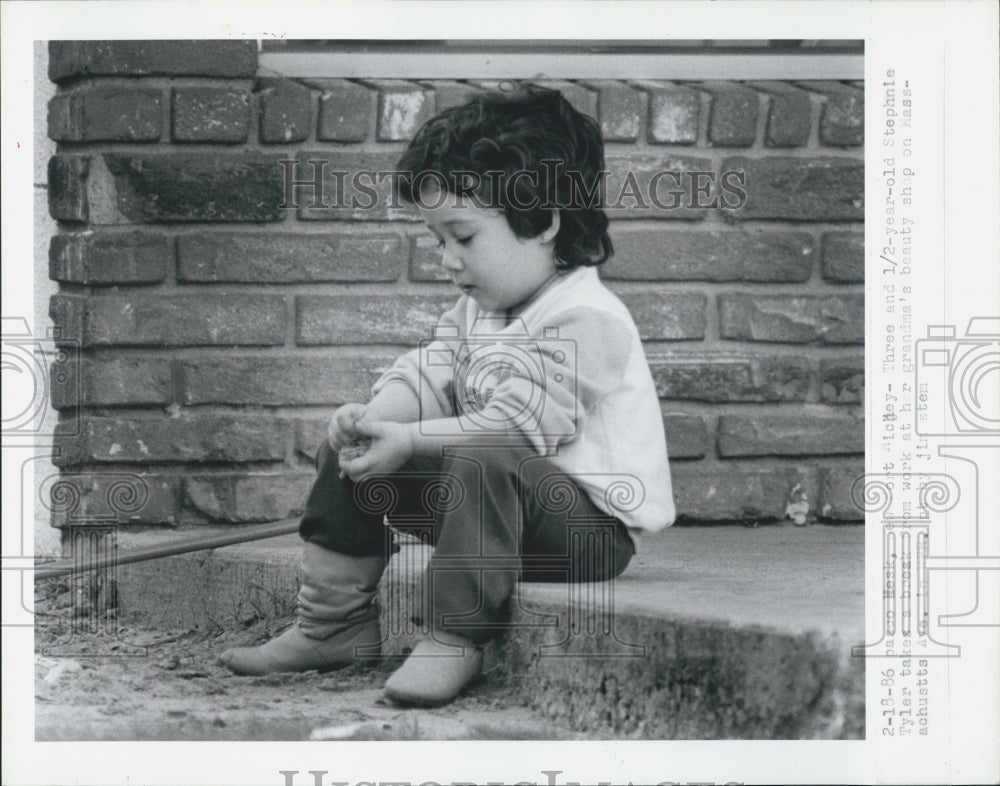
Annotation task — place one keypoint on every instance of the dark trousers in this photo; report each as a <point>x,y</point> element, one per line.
<point>495,514</point>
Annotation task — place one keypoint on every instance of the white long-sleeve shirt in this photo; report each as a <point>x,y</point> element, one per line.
<point>567,371</point>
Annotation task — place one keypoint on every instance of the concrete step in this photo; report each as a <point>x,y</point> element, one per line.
<point>712,633</point>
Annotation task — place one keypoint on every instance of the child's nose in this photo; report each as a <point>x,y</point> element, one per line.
<point>450,260</point>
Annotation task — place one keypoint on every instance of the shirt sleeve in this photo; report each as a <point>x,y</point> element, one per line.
<point>546,386</point>
<point>428,370</point>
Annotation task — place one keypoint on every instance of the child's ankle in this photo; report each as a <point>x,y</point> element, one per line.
<point>452,639</point>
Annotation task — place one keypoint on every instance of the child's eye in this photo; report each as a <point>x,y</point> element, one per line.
<point>464,241</point>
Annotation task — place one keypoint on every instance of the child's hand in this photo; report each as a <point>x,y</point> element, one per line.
<point>340,431</point>
<point>350,452</point>
<point>391,447</point>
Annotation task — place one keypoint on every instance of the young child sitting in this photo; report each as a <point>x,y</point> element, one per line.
<point>526,434</point>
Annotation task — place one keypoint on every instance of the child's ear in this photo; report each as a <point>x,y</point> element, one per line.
<point>550,234</point>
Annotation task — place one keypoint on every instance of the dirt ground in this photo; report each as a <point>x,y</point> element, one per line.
<point>96,680</point>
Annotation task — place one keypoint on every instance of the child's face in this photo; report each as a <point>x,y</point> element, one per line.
<point>481,253</point>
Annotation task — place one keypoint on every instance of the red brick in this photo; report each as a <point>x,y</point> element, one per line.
<point>425,259</point>
<point>789,120</point>
<point>67,397</point>
<point>667,316</point>
<point>368,319</point>
<point>64,381</point>
<point>67,191</point>
<point>111,497</point>
<point>667,254</point>
<point>620,111</point>
<point>122,381</point>
<point>674,114</point>
<point>449,93</point>
<point>828,319</point>
<point>68,313</point>
<point>842,122</point>
<point>687,436</point>
<point>836,502</point>
<point>245,498</point>
<point>195,187</point>
<point>402,108</point>
<point>107,114</point>
<point>789,115</point>
<point>658,187</point>
<point>804,189</point>
<point>184,320</point>
<point>732,120</point>
<point>842,380</point>
<point>844,257</point>
<point>580,98</point>
<point>720,378</point>
<point>224,58</point>
<point>210,114</point>
<point>345,112</point>
<point>716,494</point>
<point>789,435</point>
<point>95,259</point>
<point>355,194</point>
<point>193,438</point>
<point>285,111</point>
<point>258,381</point>
<point>289,258</point>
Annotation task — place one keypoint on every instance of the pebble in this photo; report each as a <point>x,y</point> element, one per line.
<point>62,667</point>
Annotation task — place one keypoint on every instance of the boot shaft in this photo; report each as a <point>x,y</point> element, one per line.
<point>337,590</point>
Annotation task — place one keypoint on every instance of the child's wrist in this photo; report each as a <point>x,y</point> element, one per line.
<point>413,437</point>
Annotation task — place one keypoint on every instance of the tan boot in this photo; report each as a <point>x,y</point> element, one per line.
<point>436,671</point>
<point>337,618</point>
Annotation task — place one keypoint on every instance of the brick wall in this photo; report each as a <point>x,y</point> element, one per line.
<point>219,329</point>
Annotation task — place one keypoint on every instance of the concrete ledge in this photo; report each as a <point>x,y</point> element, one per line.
<point>712,633</point>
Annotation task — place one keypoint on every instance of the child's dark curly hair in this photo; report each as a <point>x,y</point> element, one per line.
<point>527,152</point>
